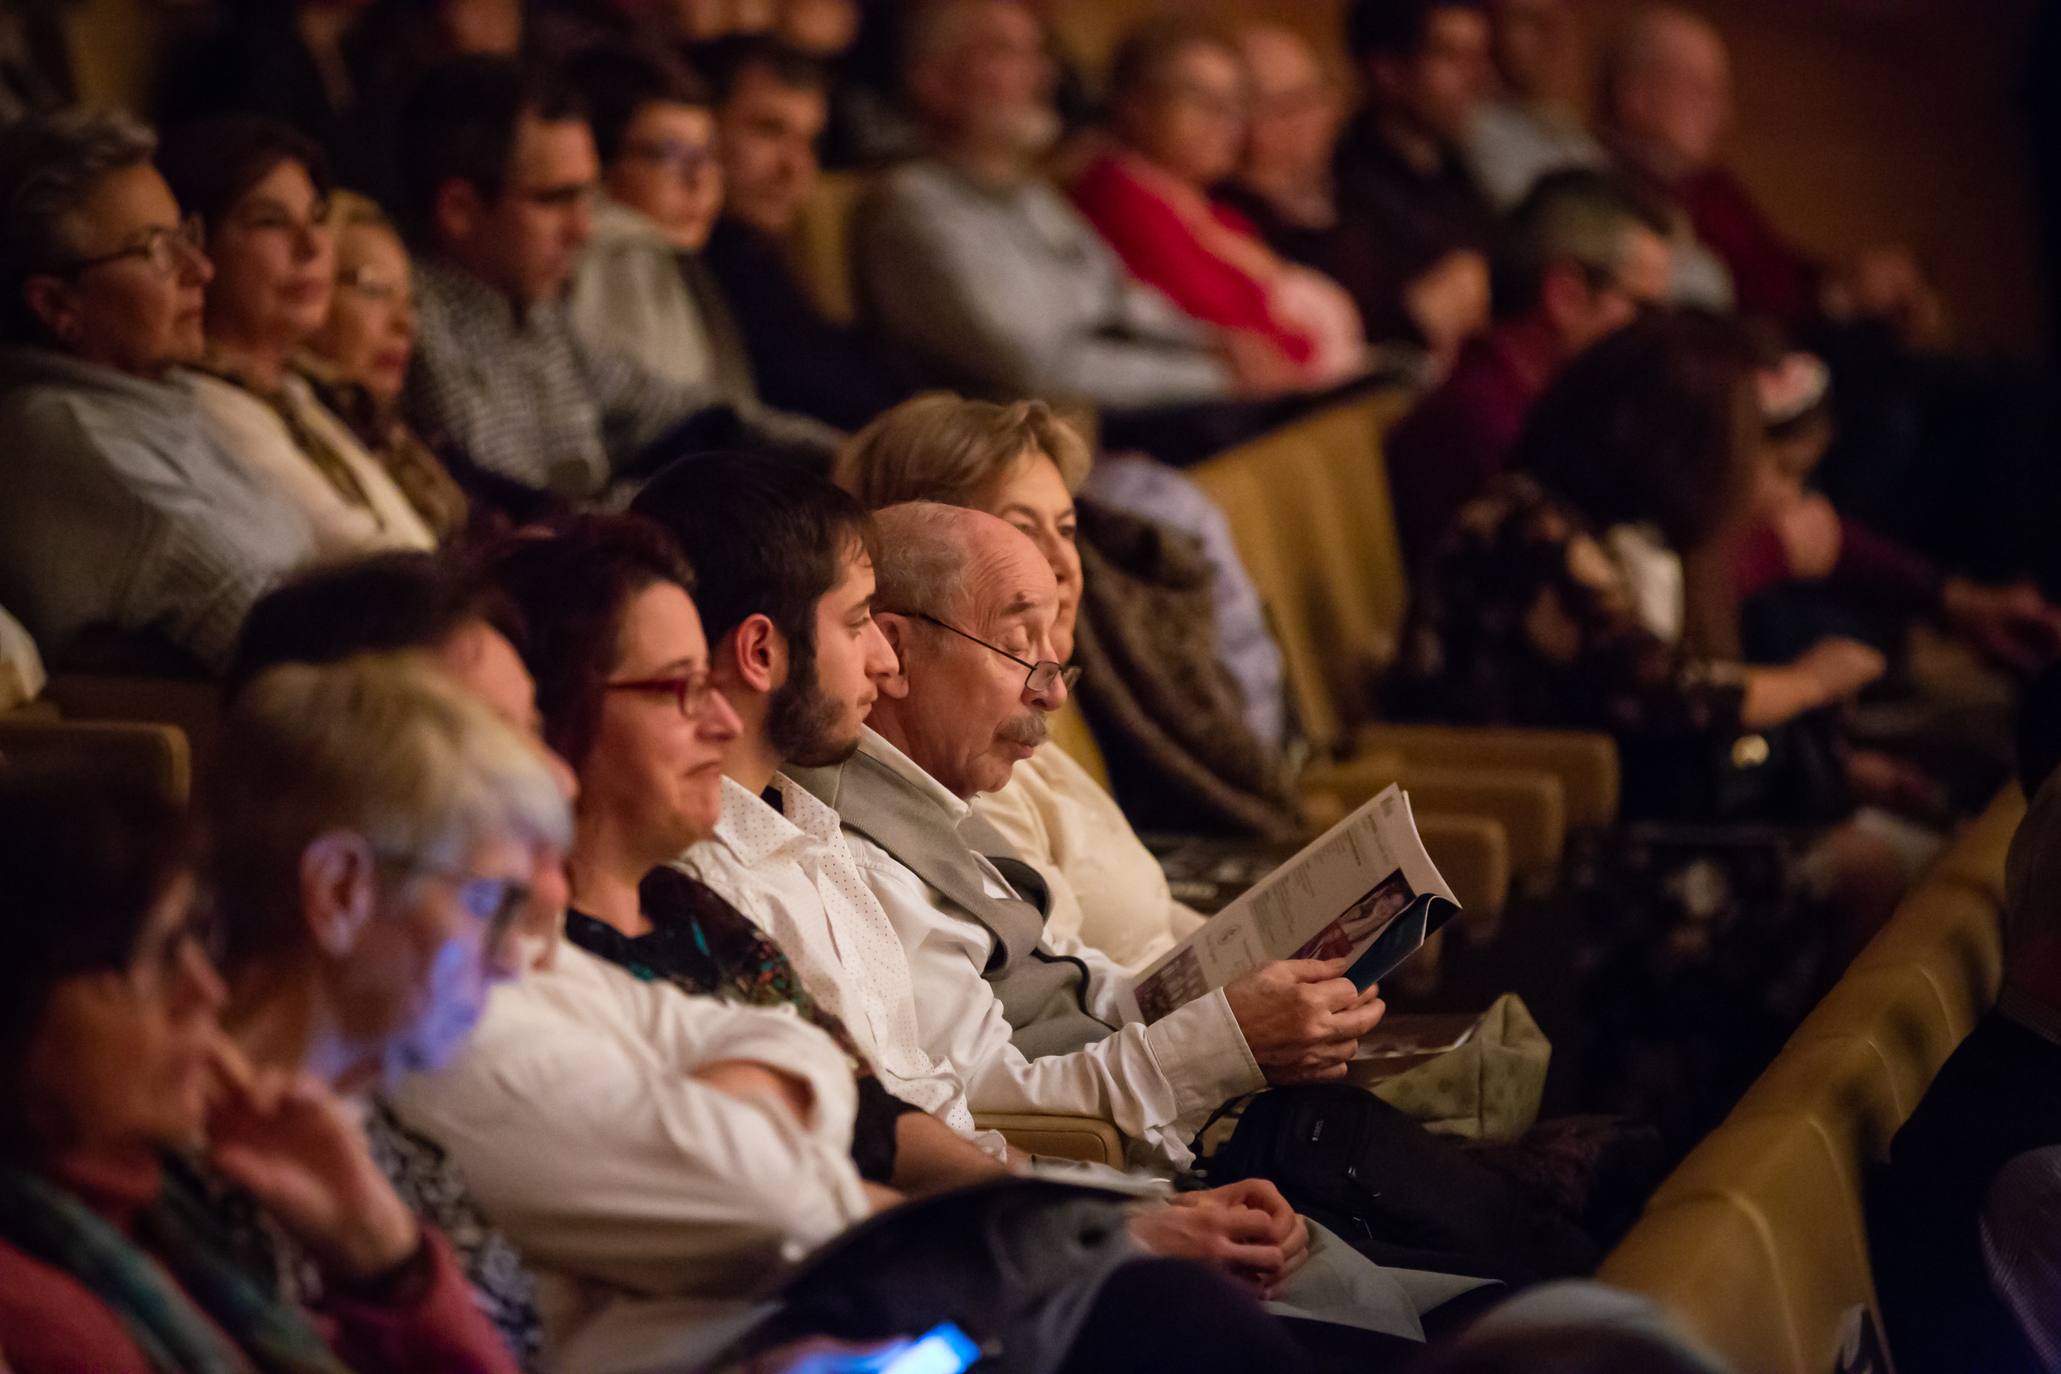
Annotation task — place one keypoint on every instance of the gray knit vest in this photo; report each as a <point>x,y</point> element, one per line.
<point>1042,994</point>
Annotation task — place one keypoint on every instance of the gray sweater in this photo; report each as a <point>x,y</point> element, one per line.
<point>1007,290</point>
<point>123,512</point>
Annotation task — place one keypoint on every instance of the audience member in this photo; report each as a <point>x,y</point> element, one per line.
<point>1560,599</point>
<point>502,171</point>
<point>1188,698</point>
<point>1667,106</point>
<point>640,289</point>
<point>387,826</point>
<point>1400,167</point>
<point>1579,258</point>
<point>113,1251</point>
<point>771,108</point>
<point>972,263</point>
<point>1995,1099</point>
<point>260,190</point>
<point>1023,464</point>
<point>357,364</point>
<point>1286,185</point>
<point>1178,109</point>
<point>1533,126</point>
<point>126,513</point>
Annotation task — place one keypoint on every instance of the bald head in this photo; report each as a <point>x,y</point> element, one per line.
<point>980,78</point>
<point>1296,109</point>
<point>968,603</point>
<point>1667,89</point>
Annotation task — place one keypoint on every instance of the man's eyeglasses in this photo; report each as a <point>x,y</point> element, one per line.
<point>167,250</point>
<point>686,161</point>
<point>692,692</point>
<point>496,903</point>
<point>1042,675</point>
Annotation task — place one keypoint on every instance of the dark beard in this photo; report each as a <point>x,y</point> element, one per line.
<point>800,720</point>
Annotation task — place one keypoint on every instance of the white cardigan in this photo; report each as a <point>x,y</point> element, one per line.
<point>252,430</point>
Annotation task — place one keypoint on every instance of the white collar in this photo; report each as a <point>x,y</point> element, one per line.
<point>800,816</point>
<point>876,746</point>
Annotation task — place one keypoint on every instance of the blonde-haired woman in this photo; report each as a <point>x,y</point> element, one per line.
<point>1024,463</point>
<point>357,362</point>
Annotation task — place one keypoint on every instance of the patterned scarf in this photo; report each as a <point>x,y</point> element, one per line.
<point>165,1294</point>
<point>701,943</point>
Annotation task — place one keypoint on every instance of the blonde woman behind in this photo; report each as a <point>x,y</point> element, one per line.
<point>1024,463</point>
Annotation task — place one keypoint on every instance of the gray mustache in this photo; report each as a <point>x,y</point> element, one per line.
<point>1030,731</point>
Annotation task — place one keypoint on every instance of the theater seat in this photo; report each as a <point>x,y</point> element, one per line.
<point>821,248</point>
<point>150,756</point>
<point>1758,1242</point>
<point>192,706</point>
<point>1308,508</point>
<point>1060,1137</point>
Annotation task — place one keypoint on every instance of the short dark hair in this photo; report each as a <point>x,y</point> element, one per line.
<point>86,860</point>
<point>767,539</point>
<point>1578,214</point>
<point>726,61</point>
<point>1655,423</point>
<point>212,163</point>
<point>572,589</point>
<point>1395,28</point>
<point>460,125</point>
<point>50,164</point>
<point>616,82</point>
<point>387,603</point>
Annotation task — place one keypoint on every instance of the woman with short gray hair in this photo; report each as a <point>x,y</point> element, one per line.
<point>124,512</point>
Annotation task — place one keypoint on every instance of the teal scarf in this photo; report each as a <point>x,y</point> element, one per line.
<point>161,1294</point>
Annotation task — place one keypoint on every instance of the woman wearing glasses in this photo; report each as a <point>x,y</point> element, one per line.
<point>140,1148</point>
<point>111,466</point>
<point>261,189</point>
<point>1178,119</point>
<point>641,288</point>
<point>1022,463</point>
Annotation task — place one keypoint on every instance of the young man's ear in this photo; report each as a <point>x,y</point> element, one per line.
<point>895,628</point>
<point>339,888</point>
<point>754,655</point>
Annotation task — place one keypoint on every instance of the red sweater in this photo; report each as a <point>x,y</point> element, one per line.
<point>50,1323</point>
<point>1162,250</point>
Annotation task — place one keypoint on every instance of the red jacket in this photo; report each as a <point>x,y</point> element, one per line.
<point>1162,250</point>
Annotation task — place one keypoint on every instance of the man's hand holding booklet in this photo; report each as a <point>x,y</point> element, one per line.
<point>1365,890</point>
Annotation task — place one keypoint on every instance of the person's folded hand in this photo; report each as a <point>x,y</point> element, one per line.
<point>1302,1018</point>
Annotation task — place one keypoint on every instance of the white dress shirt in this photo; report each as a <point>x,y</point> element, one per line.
<point>624,1180</point>
<point>1157,1084</point>
<point>790,872</point>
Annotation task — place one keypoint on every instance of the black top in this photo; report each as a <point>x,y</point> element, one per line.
<point>1416,217</point>
<point>802,360</point>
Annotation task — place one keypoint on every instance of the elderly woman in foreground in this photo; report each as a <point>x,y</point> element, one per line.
<point>137,1139</point>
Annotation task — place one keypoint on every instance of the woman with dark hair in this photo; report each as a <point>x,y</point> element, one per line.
<point>261,192</point>
<point>113,1253</point>
<point>1574,595</point>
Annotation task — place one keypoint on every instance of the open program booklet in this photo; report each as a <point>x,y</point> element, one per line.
<point>1364,889</point>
